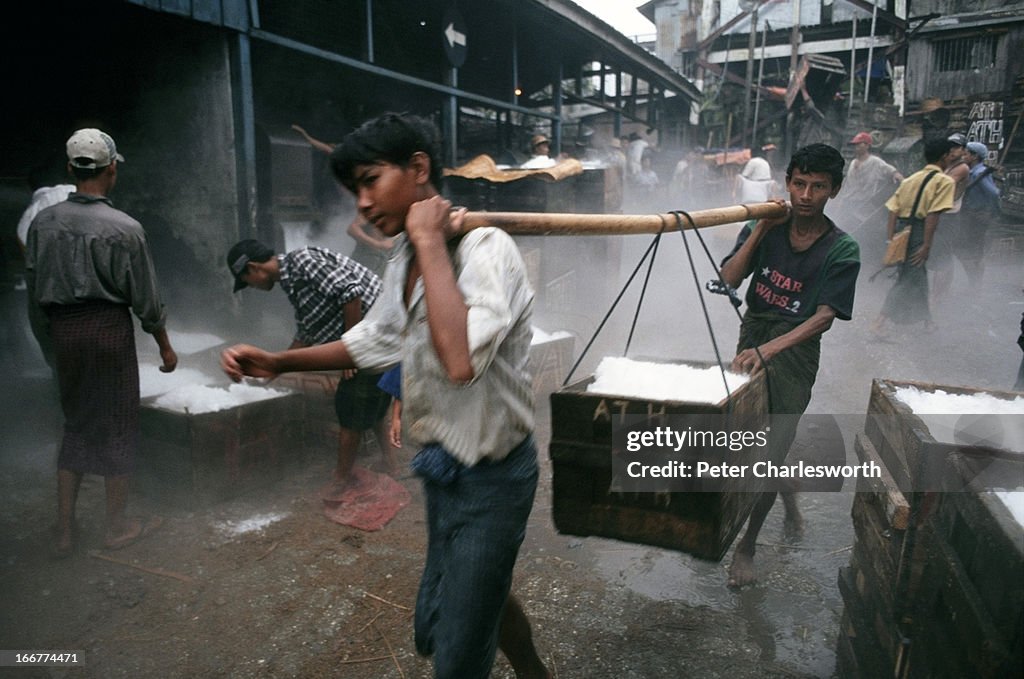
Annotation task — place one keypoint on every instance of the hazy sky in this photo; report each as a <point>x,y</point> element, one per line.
<point>621,14</point>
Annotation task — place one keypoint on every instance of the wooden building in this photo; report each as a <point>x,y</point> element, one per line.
<point>201,95</point>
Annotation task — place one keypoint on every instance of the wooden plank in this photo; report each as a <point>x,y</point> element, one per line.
<point>989,545</point>
<point>957,613</point>
<point>181,7</point>
<point>868,649</point>
<point>876,591</point>
<point>207,11</point>
<point>896,507</point>
<point>235,14</point>
<point>846,658</point>
<point>877,547</point>
<point>881,426</point>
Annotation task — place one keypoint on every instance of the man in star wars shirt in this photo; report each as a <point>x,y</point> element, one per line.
<point>803,272</point>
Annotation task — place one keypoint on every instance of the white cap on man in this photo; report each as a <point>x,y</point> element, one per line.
<point>92,149</point>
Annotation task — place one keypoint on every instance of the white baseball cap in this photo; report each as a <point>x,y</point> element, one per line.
<point>92,149</point>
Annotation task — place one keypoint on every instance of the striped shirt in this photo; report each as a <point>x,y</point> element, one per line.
<point>491,415</point>
<point>319,283</point>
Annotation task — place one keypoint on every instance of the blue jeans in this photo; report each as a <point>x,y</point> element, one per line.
<point>475,527</point>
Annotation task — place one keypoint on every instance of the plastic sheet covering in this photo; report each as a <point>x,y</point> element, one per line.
<point>484,167</point>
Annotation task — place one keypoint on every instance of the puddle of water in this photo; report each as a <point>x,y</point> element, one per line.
<point>792,613</point>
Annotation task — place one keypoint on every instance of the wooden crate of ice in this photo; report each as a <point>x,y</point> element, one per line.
<point>317,389</point>
<point>881,517</point>
<point>197,459</point>
<point>934,584</point>
<point>914,444</point>
<point>973,559</point>
<point>703,524</point>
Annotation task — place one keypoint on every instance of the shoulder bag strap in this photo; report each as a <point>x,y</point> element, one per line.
<point>913,212</point>
<point>986,172</point>
<point>920,192</point>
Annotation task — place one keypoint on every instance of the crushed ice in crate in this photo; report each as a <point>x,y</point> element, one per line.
<point>663,381</point>
<point>152,382</point>
<point>969,419</point>
<point>195,398</point>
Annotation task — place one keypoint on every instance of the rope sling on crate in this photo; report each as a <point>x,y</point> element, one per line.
<point>716,285</point>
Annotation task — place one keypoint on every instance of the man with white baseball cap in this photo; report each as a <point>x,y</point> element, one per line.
<point>91,149</point>
<point>88,267</point>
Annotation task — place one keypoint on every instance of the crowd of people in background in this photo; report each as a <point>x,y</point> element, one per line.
<point>874,194</point>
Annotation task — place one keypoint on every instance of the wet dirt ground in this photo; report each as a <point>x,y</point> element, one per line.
<point>303,597</point>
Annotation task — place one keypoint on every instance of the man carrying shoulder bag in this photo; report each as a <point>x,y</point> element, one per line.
<point>918,203</point>
<point>896,246</point>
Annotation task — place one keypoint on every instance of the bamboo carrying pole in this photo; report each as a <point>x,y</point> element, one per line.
<point>563,224</point>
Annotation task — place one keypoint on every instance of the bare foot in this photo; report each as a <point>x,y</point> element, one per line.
<point>134,531</point>
<point>793,525</point>
<point>341,487</point>
<point>63,547</point>
<point>334,490</point>
<point>741,570</point>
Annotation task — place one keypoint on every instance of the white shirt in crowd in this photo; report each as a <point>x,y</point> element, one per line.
<point>754,184</point>
<point>492,414</point>
<point>42,198</point>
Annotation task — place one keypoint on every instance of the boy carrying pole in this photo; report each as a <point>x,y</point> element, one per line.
<point>456,313</point>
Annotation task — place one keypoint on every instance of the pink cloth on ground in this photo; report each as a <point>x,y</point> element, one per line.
<point>369,503</point>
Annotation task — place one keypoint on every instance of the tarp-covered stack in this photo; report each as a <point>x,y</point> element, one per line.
<point>567,186</point>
